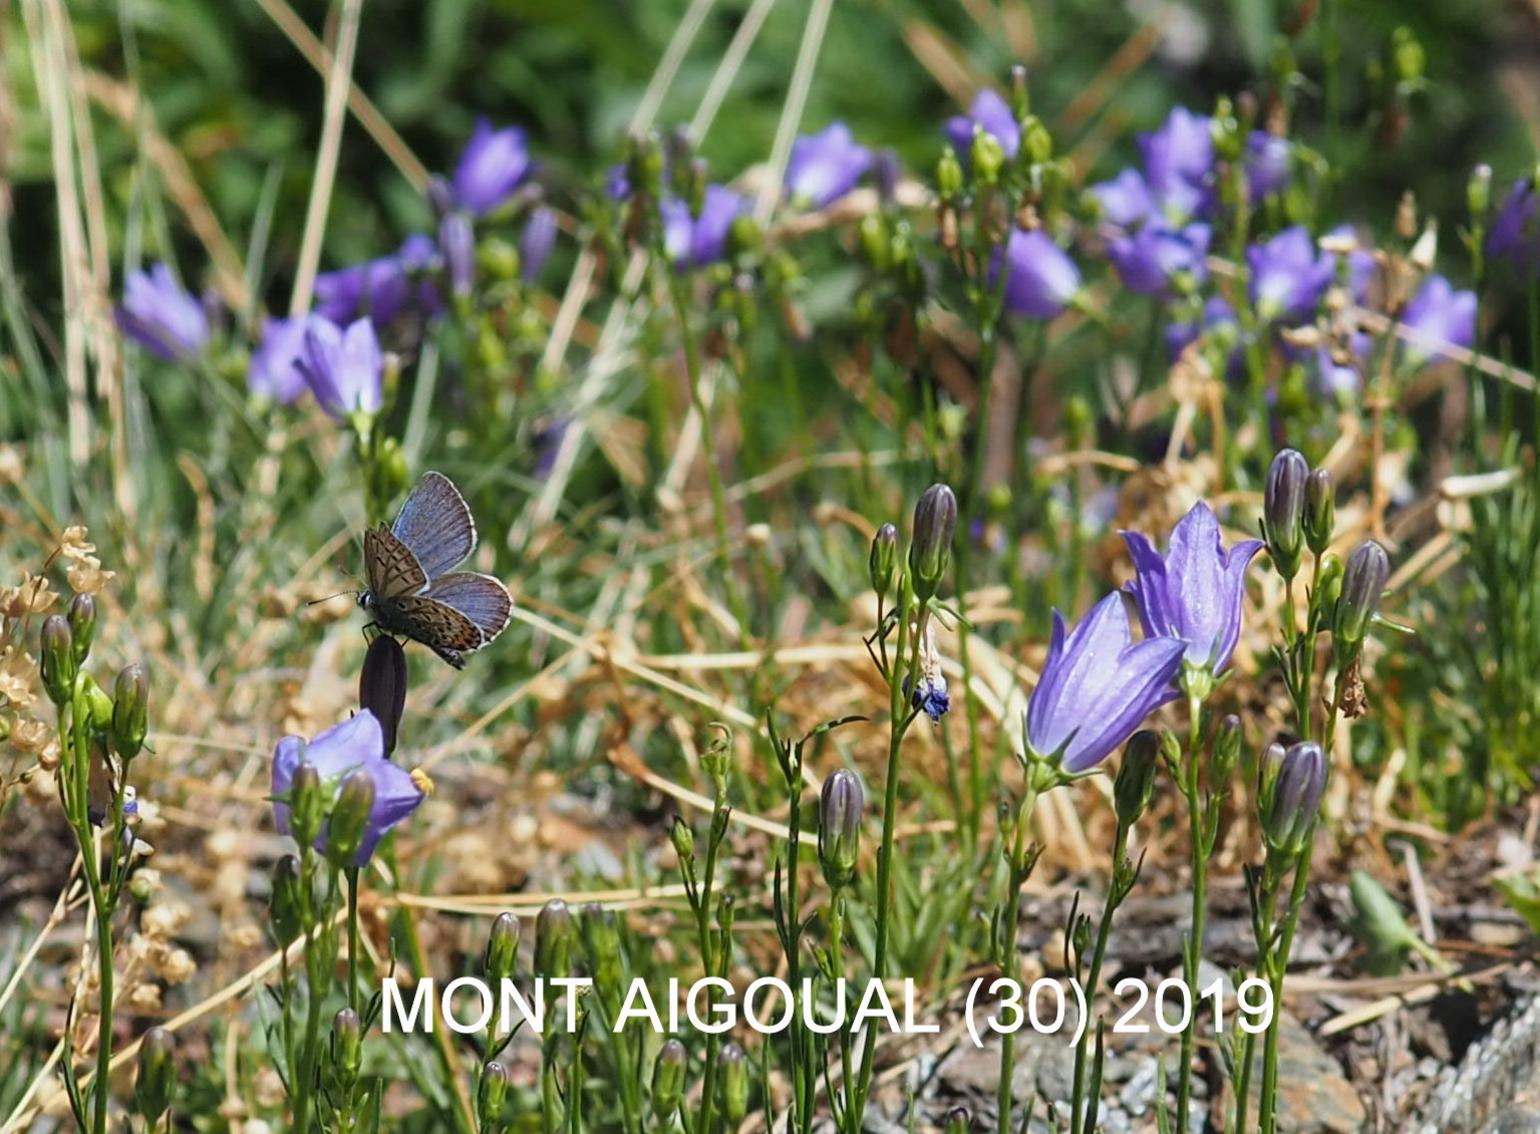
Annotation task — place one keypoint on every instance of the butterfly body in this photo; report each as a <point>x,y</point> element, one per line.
<point>413,589</point>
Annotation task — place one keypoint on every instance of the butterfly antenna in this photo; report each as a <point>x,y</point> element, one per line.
<point>329,598</point>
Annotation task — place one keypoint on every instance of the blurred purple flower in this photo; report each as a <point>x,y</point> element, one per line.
<point>536,242</point>
<point>1515,232</point>
<point>1042,280</point>
<point>1438,316</point>
<point>1179,164</point>
<point>357,744</point>
<point>1097,686</point>
<point>492,166</point>
<point>1268,158</point>
<point>1196,593</point>
<point>272,371</point>
<point>384,288</point>
<point>692,242</point>
<point>160,316</point>
<point>1181,334</point>
<point>993,115</point>
<point>342,368</point>
<point>1288,275</point>
<point>1149,261</point>
<point>1125,200</point>
<point>1361,265</point>
<point>1338,375</point>
<point>457,242</point>
<point>825,166</point>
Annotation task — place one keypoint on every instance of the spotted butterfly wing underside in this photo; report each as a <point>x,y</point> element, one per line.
<point>392,568</point>
<point>440,627</point>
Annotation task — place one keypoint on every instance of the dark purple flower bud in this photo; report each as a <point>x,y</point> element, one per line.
<point>285,906</point>
<point>991,114</point>
<point>382,686</point>
<point>1438,317</point>
<point>344,369</point>
<point>959,1120</point>
<point>554,935</point>
<point>1363,582</point>
<point>163,318</point>
<point>500,958</point>
<point>1283,510</point>
<point>1125,201</point>
<point>883,559</point>
<point>57,658</point>
<point>668,1079</point>
<point>1042,279</point>
<point>930,547</point>
<point>885,173</point>
<point>1134,786</point>
<point>1097,686</point>
<point>1289,274</point>
<point>840,807</point>
<point>492,166</point>
<point>1293,781</point>
<point>1267,161</point>
<point>357,744</point>
<point>273,371</point>
<point>1157,260</point>
<point>733,1067</point>
<point>130,710</point>
<point>441,194</point>
<point>536,243</point>
<point>1195,594</point>
<point>492,1097</point>
<point>157,1075</point>
<point>1320,510</point>
<point>823,167</point>
<point>457,241</point>
<point>82,620</point>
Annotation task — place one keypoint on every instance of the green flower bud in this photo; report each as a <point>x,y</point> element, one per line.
<point>1363,582</point>
<point>307,805</point>
<point>501,956</point>
<point>874,240</point>
<point>347,1046</point>
<point>350,818</point>
<point>157,1075</point>
<point>683,838</point>
<point>1021,104</point>
<point>1283,511</point>
<point>883,559</point>
<point>987,157</point>
<point>1329,585</point>
<point>1134,786</point>
<point>949,174</point>
<point>130,710</point>
<point>497,259</point>
<point>744,237</point>
<point>644,165</point>
<point>601,941</point>
<point>930,548</point>
<point>1478,191</point>
<point>733,1067</point>
<point>286,904</point>
<point>98,704</point>
<point>1227,747</point>
<point>58,659</point>
<point>839,827</point>
<point>82,620</point>
<point>554,932</point>
<point>1407,55</point>
<point>1036,141</point>
<point>492,1096</point>
<point>668,1079</point>
<point>1320,510</point>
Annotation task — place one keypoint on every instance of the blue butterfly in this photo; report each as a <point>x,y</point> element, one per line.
<point>413,588</point>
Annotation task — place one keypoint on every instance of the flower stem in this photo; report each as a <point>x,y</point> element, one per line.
<point>1077,1121</point>
<point>1193,954</point>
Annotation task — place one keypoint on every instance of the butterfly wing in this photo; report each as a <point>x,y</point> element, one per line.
<point>481,598</point>
<point>435,523</point>
<point>392,569</point>
<point>440,627</point>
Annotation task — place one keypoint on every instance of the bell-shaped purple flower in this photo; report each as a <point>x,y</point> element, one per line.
<point>1125,201</point>
<point>385,288</point>
<point>1515,232</point>
<point>355,745</point>
<point>1194,594</point>
<point>1179,165</point>
<point>492,166</point>
<point>1438,316</point>
<point>273,371</point>
<point>1097,686</point>
<point>1267,162</point>
<point>1150,260</point>
<point>536,242</point>
<point>825,166</point>
<point>343,368</point>
<point>1042,279</point>
<point>1288,275</point>
<point>692,242</point>
<point>989,113</point>
<point>161,317</point>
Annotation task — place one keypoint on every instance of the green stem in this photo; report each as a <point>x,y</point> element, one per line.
<point>1193,954</point>
<point>1005,945</point>
<point>1267,1101</point>
<point>353,944</point>
<point>1093,978</point>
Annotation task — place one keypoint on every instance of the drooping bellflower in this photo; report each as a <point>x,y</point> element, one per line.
<point>825,166</point>
<point>273,371</point>
<point>694,241</point>
<point>384,288</point>
<point>1196,592</point>
<point>492,166</point>
<point>1097,686</point>
<point>1042,279</point>
<point>1157,260</point>
<point>355,745</point>
<point>343,368</point>
<point>1289,274</point>
<point>1178,164</point>
<point>163,318</point>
